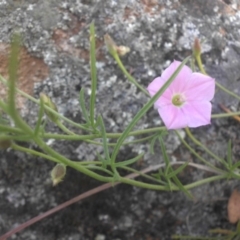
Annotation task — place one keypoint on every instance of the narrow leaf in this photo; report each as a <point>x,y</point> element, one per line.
<point>104,137</point>
<point>144,109</point>
<point>93,73</point>
<point>178,170</point>
<point>83,106</point>
<point>229,155</point>
<point>40,115</point>
<point>169,169</point>
<point>129,162</point>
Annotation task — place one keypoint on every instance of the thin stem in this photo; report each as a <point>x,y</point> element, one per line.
<point>204,148</point>
<point>33,152</point>
<point>130,78</point>
<point>93,74</point>
<point>64,129</point>
<point>5,128</point>
<point>95,136</point>
<point>204,181</point>
<point>200,65</point>
<point>12,71</point>
<point>215,169</point>
<point>92,192</point>
<point>156,167</point>
<point>23,138</point>
<point>56,209</point>
<point>143,174</point>
<point>70,163</point>
<point>27,96</point>
<point>222,115</point>
<point>227,91</point>
<point>143,111</point>
<point>125,143</point>
<point>21,124</point>
<point>100,169</point>
<point>173,187</point>
<point>40,116</point>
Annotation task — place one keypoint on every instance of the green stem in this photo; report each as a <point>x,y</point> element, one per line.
<point>99,169</point>
<point>125,143</point>
<point>27,96</point>
<point>200,65</point>
<point>22,138</point>
<point>93,74</point>
<point>227,91</point>
<point>95,136</point>
<point>142,174</point>
<point>203,147</point>
<point>12,71</point>
<point>143,111</point>
<point>174,187</point>
<point>70,163</point>
<point>221,115</point>
<point>64,129</point>
<point>198,156</point>
<point>19,122</point>
<point>204,181</point>
<point>40,116</point>
<point>130,78</point>
<point>8,129</point>
<point>33,152</point>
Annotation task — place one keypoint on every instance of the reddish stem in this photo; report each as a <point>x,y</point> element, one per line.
<point>66,204</point>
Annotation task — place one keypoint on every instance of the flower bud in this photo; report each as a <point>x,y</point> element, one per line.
<point>113,48</point>
<point>196,47</point>
<point>123,50</point>
<point>48,102</point>
<point>58,173</point>
<point>111,45</point>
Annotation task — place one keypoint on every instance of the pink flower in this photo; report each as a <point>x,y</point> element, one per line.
<point>186,102</point>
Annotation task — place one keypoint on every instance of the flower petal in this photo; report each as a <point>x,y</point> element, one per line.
<point>180,82</point>
<point>154,86</point>
<point>200,87</point>
<point>164,100</point>
<point>173,117</point>
<point>195,88</point>
<point>198,113</point>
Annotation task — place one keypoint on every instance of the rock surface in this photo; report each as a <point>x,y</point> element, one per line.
<point>56,33</point>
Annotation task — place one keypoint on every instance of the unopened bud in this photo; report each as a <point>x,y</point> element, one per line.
<point>113,48</point>
<point>123,50</point>
<point>196,47</point>
<point>5,143</point>
<point>58,173</point>
<point>111,45</point>
<point>48,102</point>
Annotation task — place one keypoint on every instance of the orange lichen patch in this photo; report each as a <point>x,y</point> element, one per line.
<point>234,207</point>
<point>61,39</point>
<point>130,13</point>
<point>222,31</point>
<point>150,3</point>
<point>108,20</point>
<point>228,9</point>
<point>199,8</point>
<point>151,6</point>
<point>31,70</point>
